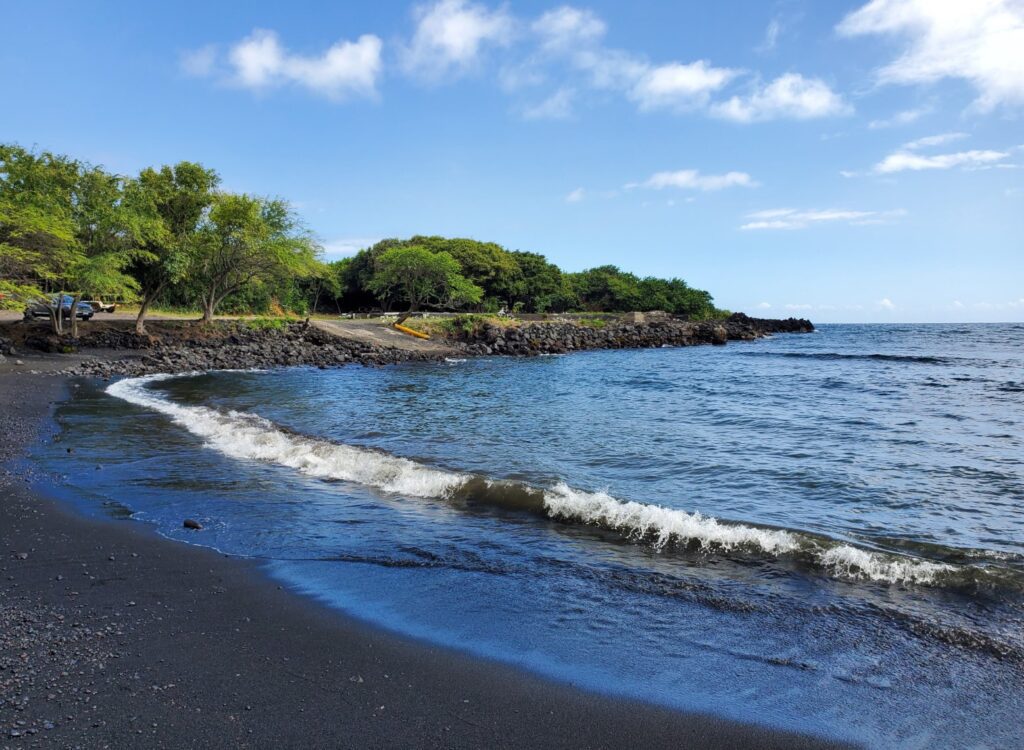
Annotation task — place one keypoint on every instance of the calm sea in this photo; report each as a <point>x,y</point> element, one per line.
<point>822,532</point>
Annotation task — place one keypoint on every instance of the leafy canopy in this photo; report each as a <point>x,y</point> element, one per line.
<point>421,277</point>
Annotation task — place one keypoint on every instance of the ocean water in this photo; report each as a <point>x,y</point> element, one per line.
<point>821,532</point>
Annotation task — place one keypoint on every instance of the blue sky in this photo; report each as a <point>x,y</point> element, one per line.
<point>844,161</point>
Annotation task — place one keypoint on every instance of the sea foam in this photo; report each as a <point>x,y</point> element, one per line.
<point>246,436</point>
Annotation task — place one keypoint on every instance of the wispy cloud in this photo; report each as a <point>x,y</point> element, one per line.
<point>678,86</point>
<point>260,62</point>
<point>771,37</point>
<point>933,140</point>
<point>692,179</point>
<point>558,106</point>
<point>451,35</point>
<point>906,117</point>
<point>790,96</point>
<point>791,218</point>
<point>576,196</point>
<point>977,41</point>
<point>903,161</point>
<point>200,63</point>
<point>567,27</point>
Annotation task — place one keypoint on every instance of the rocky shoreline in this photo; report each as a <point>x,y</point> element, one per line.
<point>238,345</point>
<point>560,337</point>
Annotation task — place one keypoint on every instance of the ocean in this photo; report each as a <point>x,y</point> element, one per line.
<point>820,532</point>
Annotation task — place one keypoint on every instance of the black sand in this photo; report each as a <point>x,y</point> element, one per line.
<point>113,637</point>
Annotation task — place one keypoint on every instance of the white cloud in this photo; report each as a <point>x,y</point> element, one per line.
<point>980,41</point>
<point>260,62</point>
<point>764,306</point>
<point>771,36</point>
<point>933,140</point>
<point>610,69</point>
<point>576,196</point>
<point>201,62</point>
<point>886,304</point>
<point>789,96</point>
<point>906,117</point>
<point>792,306</point>
<point>450,36</point>
<point>902,161</point>
<point>691,179</point>
<point>344,247</point>
<point>558,106</point>
<point>678,86</point>
<point>791,218</point>
<point>565,27</point>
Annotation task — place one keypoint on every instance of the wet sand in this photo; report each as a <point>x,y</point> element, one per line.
<point>111,636</point>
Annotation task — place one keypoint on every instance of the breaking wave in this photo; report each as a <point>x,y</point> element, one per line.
<point>247,436</point>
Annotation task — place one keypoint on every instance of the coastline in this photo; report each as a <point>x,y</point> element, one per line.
<point>133,636</point>
<point>112,348</point>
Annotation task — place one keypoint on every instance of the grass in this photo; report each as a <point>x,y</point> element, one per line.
<point>460,325</point>
<point>267,324</point>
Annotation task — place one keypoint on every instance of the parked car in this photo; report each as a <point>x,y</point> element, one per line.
<point>99,305</point>
<point>42,308</point>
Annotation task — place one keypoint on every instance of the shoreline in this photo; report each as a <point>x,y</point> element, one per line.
<point>134,636</point>
<point>112,348</point>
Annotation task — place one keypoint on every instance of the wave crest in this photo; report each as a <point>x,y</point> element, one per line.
<point>248,436</point>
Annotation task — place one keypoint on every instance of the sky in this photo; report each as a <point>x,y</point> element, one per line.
<point>843,161</point>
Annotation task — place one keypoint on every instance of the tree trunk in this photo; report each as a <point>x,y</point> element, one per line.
<point>147,300</point>
<point>74,315</point>
<point>405,316</point>
<point>209,305</point>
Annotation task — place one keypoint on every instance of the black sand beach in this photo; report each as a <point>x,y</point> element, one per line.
<point>113,637</point>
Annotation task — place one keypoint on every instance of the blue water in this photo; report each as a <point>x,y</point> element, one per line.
<point>856,568</point>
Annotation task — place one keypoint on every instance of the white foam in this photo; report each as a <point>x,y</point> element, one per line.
<point>845,561</point>
<point>662,524</point>
<point>247,436</point>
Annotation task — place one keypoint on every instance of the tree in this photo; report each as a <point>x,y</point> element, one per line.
<point>247,240</point>
<point>180,196</point>
<point>538,284</point>
<point>37,230</point>
<point>607,289</point>
<point>421,277</point>
<point>114,221</point>
<point>486,264</point>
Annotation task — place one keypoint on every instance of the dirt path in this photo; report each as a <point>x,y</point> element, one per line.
<point>380,334</point>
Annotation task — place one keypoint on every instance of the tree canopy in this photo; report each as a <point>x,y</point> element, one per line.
<point>420,277</point>
<point>170,236</point>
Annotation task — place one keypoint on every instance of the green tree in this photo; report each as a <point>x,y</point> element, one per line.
<point>180,196</point>
<point>114,221</point>
<point>421,277</point>
<point>244,241</point>
<point>538,285</point>
<point>37,229</point>
<point>486,264</point>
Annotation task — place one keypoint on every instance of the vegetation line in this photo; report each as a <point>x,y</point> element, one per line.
<point>171,238</point>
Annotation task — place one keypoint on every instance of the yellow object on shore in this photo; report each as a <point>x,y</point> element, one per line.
<point>411,332</point>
